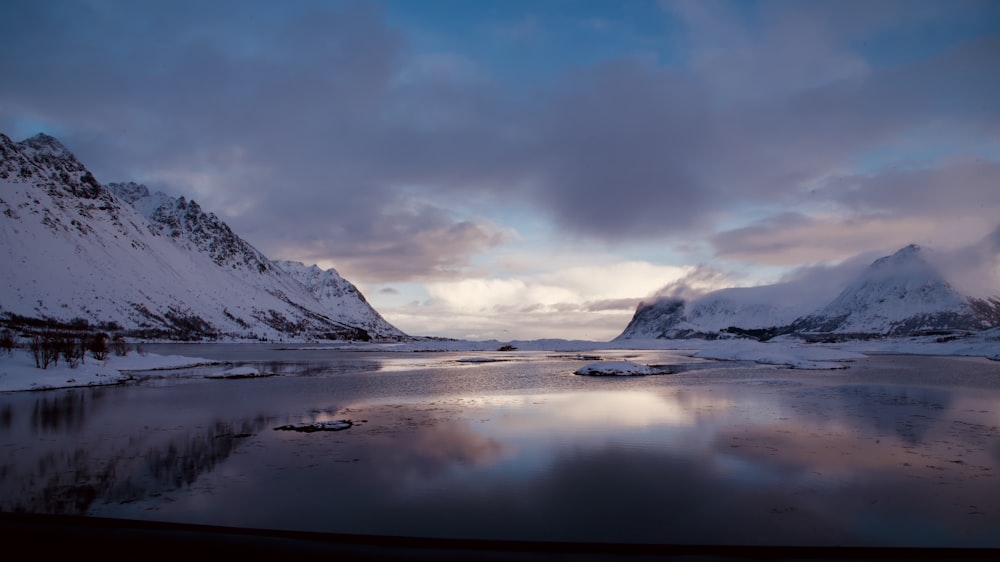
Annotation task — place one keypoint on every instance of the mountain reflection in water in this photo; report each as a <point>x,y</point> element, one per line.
<point>712,456</point>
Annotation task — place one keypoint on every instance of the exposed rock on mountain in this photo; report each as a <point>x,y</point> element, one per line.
<point>192,228</point>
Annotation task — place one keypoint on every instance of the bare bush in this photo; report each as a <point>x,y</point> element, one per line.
<point>36,348</point>
<point>45,350</point>
<point>98,346</point>
<point>120,346</point>
<point>72,349</point>
<point>7,342</point>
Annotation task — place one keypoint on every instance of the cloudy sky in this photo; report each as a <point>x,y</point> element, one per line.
<point>525,169</point>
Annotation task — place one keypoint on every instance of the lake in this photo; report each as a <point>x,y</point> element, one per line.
<point>894,451</point>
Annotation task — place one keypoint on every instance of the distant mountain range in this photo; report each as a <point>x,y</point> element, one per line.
<point>897,295</point>
<point>117,257</point>
<point>79,254</point>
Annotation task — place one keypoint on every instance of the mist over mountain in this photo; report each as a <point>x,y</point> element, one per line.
<point>898,295</point>
<point>122,258</point>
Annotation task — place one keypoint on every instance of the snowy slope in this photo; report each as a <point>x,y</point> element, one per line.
<point>76,251</point>
<point>198,231</point>
<point>897,295</point>
<point>341,300</point>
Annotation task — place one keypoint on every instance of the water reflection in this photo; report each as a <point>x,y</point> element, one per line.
<point>524,450</point>
<point>182,461</point>
<point>72,479</point>
<point>711,465</point>
<point>6,416</point>
<point>62,411</point>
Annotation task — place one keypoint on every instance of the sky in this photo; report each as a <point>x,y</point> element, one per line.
<point>529,169</point>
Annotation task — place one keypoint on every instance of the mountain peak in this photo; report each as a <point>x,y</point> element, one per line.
<point>897,295</point>
<point>908,259</point>
<point>44,160</point>
<point>47,144</point>
<point>913,251</point>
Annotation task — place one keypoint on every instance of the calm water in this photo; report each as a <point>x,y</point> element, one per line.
<point>896,451</point>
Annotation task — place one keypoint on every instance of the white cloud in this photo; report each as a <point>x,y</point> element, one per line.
<point>575,302</point>
<point>578,284</point>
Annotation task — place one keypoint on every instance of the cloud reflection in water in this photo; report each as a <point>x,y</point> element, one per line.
<point>773,458</point>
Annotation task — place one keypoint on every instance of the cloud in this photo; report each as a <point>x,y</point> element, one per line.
<point>749,57</point>
<point>387,159</point>
<point>621,143</point>
<point>793,238</point>
<point>697,282</point>
<point>632,150</point>
<point>605,305</point>
<point>589,302</point>
<point>973,269</point>
<point>955,187</point>
<point>946,205</point>
<point>388,245</point>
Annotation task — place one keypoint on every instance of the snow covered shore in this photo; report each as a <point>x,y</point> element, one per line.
<point>18,371</point>
<point>983,344</point>
<point>796,356</point>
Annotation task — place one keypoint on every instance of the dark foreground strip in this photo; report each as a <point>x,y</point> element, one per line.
<point>43,536</point>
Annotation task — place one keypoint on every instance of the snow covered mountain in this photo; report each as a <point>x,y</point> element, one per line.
<point>897,295</point>
<point>152,265</point>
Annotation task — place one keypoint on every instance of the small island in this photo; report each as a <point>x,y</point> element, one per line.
<point>615,368</point>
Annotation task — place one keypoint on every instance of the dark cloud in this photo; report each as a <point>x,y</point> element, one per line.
<point>391,245</point>
<point>633,150</point>
<point>883,211</point>
<point>953,188</point>
<point>621,148</point>
<point>795,238</point>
